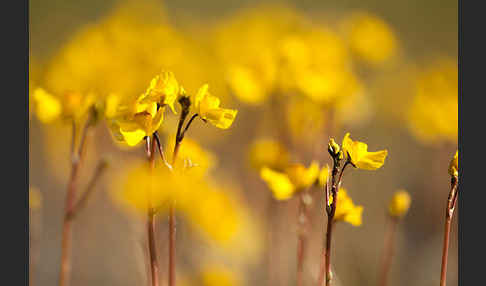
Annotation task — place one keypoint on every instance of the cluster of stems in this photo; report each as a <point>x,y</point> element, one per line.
<point>74,205</point>
<point>152,211</point>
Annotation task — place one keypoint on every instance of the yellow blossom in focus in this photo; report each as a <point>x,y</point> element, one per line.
<point>357,153</point>
<point>270,153</point>
<point>346,210</point>
<point>207,106</point>
<point>399,204</point>
<point>295,178</point>
<point>454,165</point>
<point>48,107</point>
<point>371,38</point>
<point>164,89</point>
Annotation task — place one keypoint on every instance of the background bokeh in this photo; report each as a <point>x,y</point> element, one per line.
<point>407,104</point>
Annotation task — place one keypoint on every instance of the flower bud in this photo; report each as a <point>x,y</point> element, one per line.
<point>399,204</point>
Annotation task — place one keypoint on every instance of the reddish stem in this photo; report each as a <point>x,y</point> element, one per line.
<point>154,264</point>
<point>451,204</point>
<point>388,250</point>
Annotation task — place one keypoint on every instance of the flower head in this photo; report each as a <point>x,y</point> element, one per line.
<point>163,89</point>
<point>48,107</point>
<point>295,178</point>
<point>357,154</point>
<point>270,153</point>
<point>399,204</point>
<point>207,106</point>
<point>454,165</point>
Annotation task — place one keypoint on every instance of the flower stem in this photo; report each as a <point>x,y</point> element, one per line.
<point>154,264</point>
<point>302,238</point>
<point>451,204</point>
<point>172,246</point>
<point>388,249</point>
<point>325,269</point>
<point>76,158</point>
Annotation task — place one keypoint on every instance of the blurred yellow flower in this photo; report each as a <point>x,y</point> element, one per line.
<point>357,154</point>
<point>270,153</point>
<point>48,107</point>
<point>454,165</point>
<point>399,204</point>
<point>218,275</point>
<point>279,183</point>
<point>371,38</point>
<point>71,105</point>
<point>346,210</point>
<point>207,106</point>
<point>433,112</point>
<point>323,176</point>
<point>295,178</point>
<point>35,198</point>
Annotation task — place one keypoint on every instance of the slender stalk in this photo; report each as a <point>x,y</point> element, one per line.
<point>388,250</point>
<point>76,158</point>
<point>302,238</point>
<point>325,269</point>
<point>451,204</point>
<point>154,264</point>
<point>172,245</point>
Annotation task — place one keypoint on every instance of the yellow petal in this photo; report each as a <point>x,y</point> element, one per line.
<point>48,107</point>
<point>279,183</point>
<point>399,204</point>
<point>357,153</point>
<point>354,216</point>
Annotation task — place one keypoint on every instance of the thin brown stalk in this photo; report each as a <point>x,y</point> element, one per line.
<point>451,205</point>
<point>325,269</point>
<point>302,238</point>
<point>154,264</point>
<point>388,250</point>
<point>76,158</point>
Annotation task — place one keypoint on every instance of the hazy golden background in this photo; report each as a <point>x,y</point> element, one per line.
<point>109,244</point>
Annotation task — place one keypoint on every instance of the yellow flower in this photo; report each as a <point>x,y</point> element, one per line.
<point>346,210</point>
<point>48,107</point>
<point>143,120</point>
<point>279,183</point>
<point>323,176</point>
<point>191,156</point>
<point>164,89</point>
<point>217,275</point>
<point>399,204</point>
<point>357,153</point>
<point>207,106</point>
<point>301,176</point>
<point>454,165</point>
<point>270,153</point>
<point>35,198</point>
<point>296,178</point>
<point>371,38</point>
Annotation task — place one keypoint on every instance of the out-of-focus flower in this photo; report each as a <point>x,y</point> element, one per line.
<point>219,275</point>
<point>48,107</point>
<point>191,156</point>
<point>305,119</point>
<point>371,38</point>
<point>346,210</point>
<point>399,204</point>
<point>71,105</point>
<point>357,154</point>
<point>247,45</point>
<point>454,165</point>
<point>433,113</point>
<point>295,178</point>
<point>35,198</point>
<point>323,176</point>
<point>207,106</point>
<point>270,153</point>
